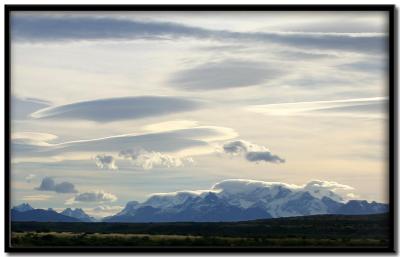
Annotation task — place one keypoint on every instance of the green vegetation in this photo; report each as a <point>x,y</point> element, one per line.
<point>311,231</point>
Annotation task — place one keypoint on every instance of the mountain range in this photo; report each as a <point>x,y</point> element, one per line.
<point>25,212</point>
<point>229,200</point>
<point>239,200</point>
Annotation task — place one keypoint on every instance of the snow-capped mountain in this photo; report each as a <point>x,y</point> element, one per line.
<point>23,207</point>
<point>78,214</point>
<point>236,200</point>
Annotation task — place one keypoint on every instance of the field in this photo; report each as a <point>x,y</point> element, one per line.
<point>311,231</point>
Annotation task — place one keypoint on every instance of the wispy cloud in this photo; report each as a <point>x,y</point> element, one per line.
<point>360,107</point>
<point>34,198</point>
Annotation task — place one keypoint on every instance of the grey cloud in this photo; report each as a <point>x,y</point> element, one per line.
<point>48,184</point>
<point>68,28</point>
<point>21,108</point>
<point>115,109</point>
<point>251,152</point>
<point>224,74</point>
<point>105,162</point>
<point>369,66</point>
<point>263,156</point>
<point>98,196</point>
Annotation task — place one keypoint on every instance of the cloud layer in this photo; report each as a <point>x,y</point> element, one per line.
<point>252,152</point>
<point>166,141</point>
<point>39,28</point>
<point>115,109</point>
<point>224,74</point>
<point>48,184</point>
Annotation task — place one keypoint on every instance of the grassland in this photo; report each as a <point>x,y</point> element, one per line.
<point>311,231</point>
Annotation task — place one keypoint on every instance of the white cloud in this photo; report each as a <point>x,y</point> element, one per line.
<point>148,160</point>
<point>105,162</point>
<point>360,107</point>
<point>170,125</point>
<point>252,152</point>
<point>33,198</point>
<point>30,177</point>
<point>102,211</point>
<point>97,196</point>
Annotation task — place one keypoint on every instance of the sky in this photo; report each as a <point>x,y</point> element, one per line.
<point>110,107</point>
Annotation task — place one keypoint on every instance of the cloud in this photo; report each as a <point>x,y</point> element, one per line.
<point>148,160</point>
<point>103,210</point>
<point>252,152</point>
<point>116,109</point>
<point>48,184</point>
<point>98,196</point>
<point>105,162</point>
<point>165,141</point>
<point>30,177</point>
<point>252,191</point>
<point>361,107</point>
<point>21,108</point>
<point>225,74</point>
<point>31,198</point>
<point>55,28</point>
<point>263,156</point>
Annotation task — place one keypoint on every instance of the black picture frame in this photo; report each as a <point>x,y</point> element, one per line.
<point>392,121</point>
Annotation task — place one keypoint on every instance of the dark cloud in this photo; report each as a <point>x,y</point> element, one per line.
<point>224,74</point>
<point>48,184</point>
<point>71,28</point>
<point>252,152</point>
<point>114,109</point>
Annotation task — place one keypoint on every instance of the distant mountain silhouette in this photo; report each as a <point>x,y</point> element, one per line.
<point>23,207</point>
<point>40,215</point>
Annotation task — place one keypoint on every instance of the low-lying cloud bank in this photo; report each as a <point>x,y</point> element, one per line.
<point>260,190</point>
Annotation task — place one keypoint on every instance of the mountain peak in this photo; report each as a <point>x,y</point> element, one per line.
<point>23,207</point>
<point>78,213</point>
